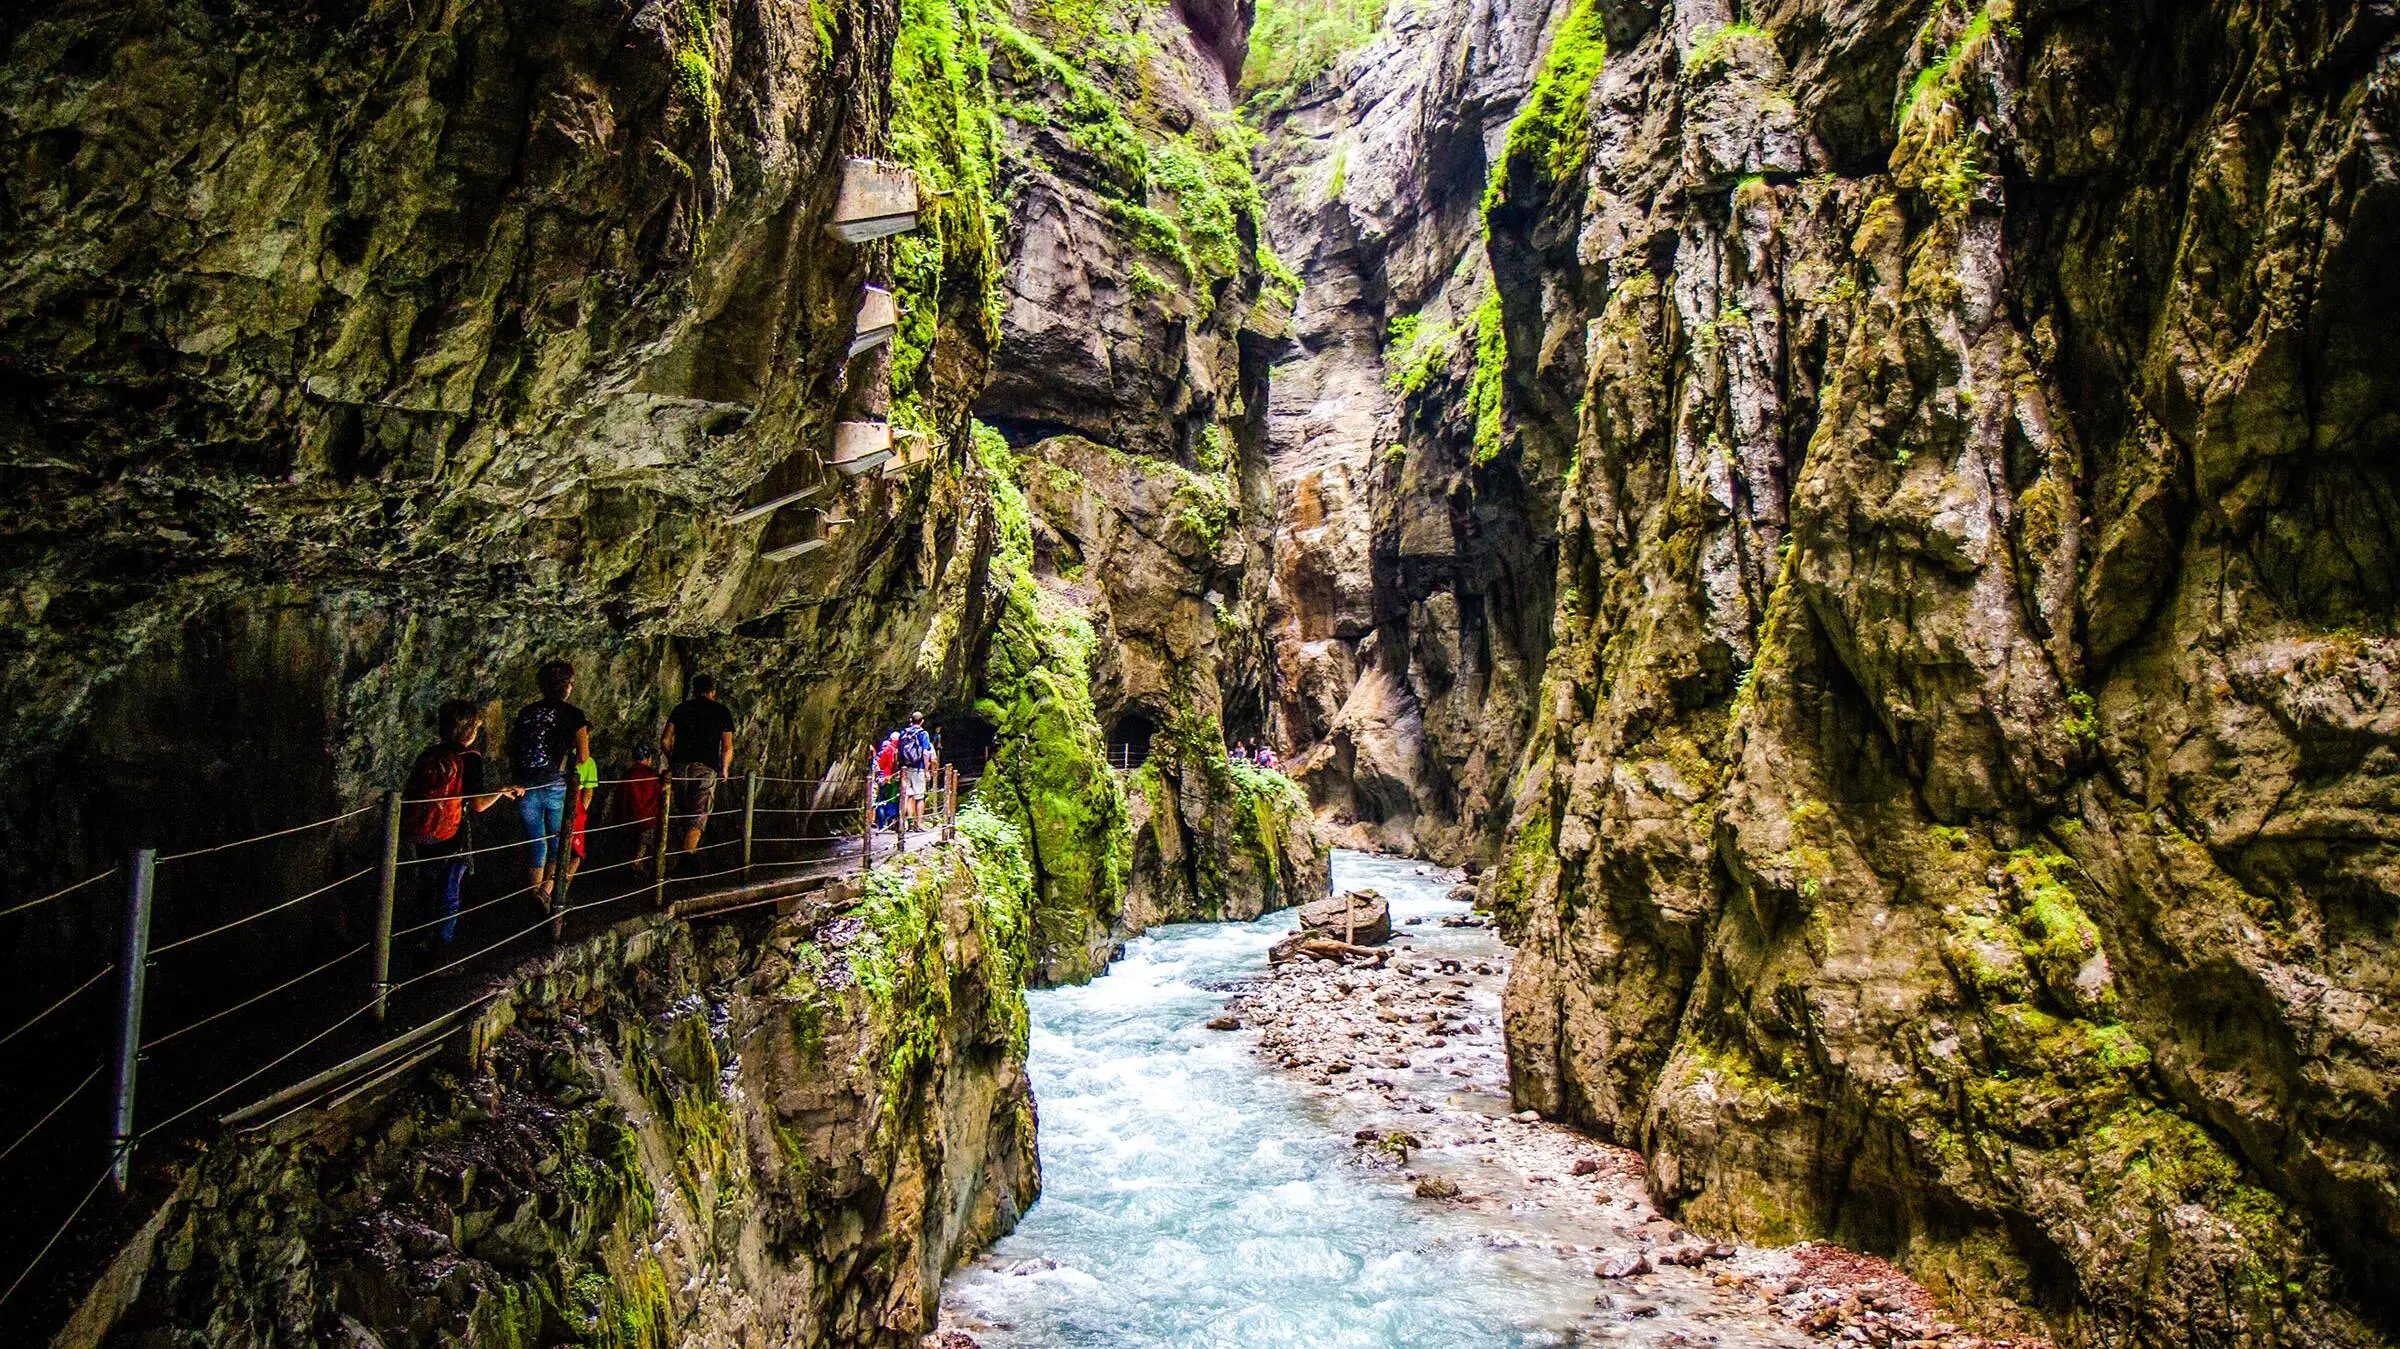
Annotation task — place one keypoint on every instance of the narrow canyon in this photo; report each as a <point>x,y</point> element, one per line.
<point>1818,570</point>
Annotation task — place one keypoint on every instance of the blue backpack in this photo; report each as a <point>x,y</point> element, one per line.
<point>915,750</point>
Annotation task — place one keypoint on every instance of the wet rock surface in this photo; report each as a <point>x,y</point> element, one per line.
<point>1409,1059</point>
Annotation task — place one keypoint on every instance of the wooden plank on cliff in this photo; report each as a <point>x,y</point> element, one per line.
<point>877,199</point>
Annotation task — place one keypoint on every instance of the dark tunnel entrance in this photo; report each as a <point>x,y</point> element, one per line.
<point>966,742</point>
<point>1129,739</point>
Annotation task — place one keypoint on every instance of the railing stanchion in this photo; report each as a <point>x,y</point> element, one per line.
<point>134,961</point>
<point>562,861</point>
<point>866,836</point>
<point>666,824</point>
<point>387,890</point>
<point>749,818</point>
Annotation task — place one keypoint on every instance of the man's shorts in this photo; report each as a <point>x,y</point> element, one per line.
<point>912,783</point>
<point>695,790</point>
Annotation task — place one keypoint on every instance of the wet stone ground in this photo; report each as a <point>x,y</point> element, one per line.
<point>1318,1153</point>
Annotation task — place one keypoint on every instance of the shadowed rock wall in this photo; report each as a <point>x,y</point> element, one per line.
<point>1958,818</point>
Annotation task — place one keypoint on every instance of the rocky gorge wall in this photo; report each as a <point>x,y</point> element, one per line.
<point>1413,569</point>
<point>357,358</point>
<point>763,1131</point>
<point>1957,820</point>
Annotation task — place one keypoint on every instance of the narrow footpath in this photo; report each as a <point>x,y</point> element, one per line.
<point>1322,1154</point>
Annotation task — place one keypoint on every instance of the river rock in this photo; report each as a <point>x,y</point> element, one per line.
<point>1360,912</point>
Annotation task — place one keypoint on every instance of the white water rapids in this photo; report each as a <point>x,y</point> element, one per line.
<point>1194,1196</point>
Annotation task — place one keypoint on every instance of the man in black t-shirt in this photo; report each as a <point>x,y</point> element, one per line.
<point>545,744</point>
<point>699,746</point>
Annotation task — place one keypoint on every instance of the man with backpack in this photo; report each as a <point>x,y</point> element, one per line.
<point>443,786</point>
<point>550,738</point>
<point>916,763</point>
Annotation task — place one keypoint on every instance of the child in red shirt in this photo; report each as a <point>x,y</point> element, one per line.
<point>636,802</point>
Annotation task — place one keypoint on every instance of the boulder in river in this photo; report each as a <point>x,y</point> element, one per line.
<point>1360,912</point>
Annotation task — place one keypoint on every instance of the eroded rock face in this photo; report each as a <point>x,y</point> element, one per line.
<point>361,358</point>
<point>1411,600</point>
<point>1130,384</point>
<point>1956,817</point>
<point>704,1137</point>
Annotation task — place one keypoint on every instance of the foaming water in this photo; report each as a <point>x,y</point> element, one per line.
<point>1193,1197</point>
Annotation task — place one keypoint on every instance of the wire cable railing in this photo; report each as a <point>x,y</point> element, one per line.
<point>58,894</point>
<point>254,1020</point>
<point>330,820</point>
<point>38,1017</point>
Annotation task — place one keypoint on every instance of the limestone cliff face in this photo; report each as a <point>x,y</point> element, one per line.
<point>1127,402</point>
<point>1959,818</point>
<point>363,357</point>
<point>1411,601</point>
<point>767,1132</point>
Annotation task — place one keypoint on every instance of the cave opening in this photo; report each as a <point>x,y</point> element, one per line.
<point>1129,739</point>
<point>966,741</point>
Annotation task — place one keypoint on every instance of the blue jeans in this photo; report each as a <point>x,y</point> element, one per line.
<point>543,809</point>
<point>445,876</point>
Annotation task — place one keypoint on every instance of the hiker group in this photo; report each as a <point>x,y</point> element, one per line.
<point>1263,756</point>
<point>554,779</point>
<point>905,763</point>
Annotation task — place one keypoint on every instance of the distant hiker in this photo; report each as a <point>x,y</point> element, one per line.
<point>699,746</point>
<point>1240,752</point>
<point>887,782</point>
<point>549,739</point>
<point>1266,757</point>
<point>444,785</point>
<point>916,762</point>
<point>636,803</point>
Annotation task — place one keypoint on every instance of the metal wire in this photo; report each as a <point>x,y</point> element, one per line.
<point>254,999</point>
<point>423,975</point>
<point>410,931</point>
<point>463,795</point>
<point>72,1093</point>
<point>158,951</point>
<point>105,971</point>
<point>261,838</point>
<point>59,894</point>
<point>516,843</point>
<point>44,1252</point>
<point>254,1074</point>
<point>806,838</point>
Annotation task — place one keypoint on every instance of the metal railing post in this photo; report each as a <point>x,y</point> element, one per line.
<point>866,836</point>
<point>666,822</point>
<point>749,818</point>
<point>387,890</point>
<point>134,961</point>
<point>561,872</point>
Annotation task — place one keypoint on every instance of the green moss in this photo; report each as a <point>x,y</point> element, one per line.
<point>1146,283</point>
<point>1339,178</point>
<point>946,273</point>
<point>1551,138</point>
<point>1005,887</point>
<point>1049,774</point>
<point>694,46</point>
<point>898,963</point>
<point>1491,370</point>
<point>1714,47</point>
<point>1292,42</point>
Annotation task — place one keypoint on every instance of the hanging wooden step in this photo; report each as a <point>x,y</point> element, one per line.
<point>792,550</point>
<point>860,446</point>
<point>911,449</point>
<point>877,199</point>
<point>766,508</point>
<point>878,320</point>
